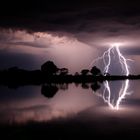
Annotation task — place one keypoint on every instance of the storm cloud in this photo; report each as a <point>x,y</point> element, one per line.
<point>77,30</point>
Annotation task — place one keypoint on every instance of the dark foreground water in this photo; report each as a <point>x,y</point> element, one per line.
<point>71,111</point>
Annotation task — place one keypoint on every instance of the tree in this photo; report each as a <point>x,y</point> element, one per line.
<point>13,69</point>
<point>76,74</point>
<point>84,72</point>
<point>106,74</point>
<point>49,68</point>
<point>95,71</point>
<point>63,71</point>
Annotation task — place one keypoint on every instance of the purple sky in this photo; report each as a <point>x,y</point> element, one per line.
<point>68,33</point>
<point>72,50</point>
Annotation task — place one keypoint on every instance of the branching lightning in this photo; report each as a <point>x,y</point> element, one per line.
<point>106,57</point>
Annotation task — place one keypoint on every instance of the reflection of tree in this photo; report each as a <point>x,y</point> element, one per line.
<point>95,86</point>
<point>85,86</point>
<point>63,86</point>
<point>49,90</point>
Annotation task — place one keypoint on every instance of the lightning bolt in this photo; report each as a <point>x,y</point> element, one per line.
<point>106,57</point>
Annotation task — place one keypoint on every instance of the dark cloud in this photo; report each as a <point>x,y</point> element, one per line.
<point>65,15</point>
<point>93,24</point>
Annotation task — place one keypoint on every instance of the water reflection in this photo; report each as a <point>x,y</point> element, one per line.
<point>49,90</point>
<point>110,96</point>
<point>114,103</point>
<point>53,101</point>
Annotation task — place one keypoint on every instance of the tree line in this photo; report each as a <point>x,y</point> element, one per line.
<point>50,68</point>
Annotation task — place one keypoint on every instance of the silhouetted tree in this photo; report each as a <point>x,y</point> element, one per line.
<point>95,71</point>
<point>106,74</point>
<point>49,90</point>
<point>84,72</point>
<point>13,69</point>
<point>76,74</point>
<point>49,68</point>
<point>63,71</point>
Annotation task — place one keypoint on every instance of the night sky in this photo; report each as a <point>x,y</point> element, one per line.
<point>70,33</point>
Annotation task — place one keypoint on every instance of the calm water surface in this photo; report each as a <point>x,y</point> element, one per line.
<point>71,111</point>
<point>88,105</point>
